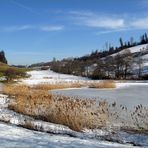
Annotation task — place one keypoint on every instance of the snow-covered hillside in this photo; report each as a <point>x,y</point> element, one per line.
<point>140,51</point>
<point>139,48</point>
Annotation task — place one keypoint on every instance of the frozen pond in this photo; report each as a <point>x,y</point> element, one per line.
<point>129,96</point>
<point>127,106</point>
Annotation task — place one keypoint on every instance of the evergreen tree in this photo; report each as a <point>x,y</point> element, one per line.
<point>2,57</point>
<point>146,38</point>
<point>142,39</point>
<point>121,42</point>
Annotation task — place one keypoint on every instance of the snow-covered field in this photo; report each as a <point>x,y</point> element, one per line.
<point>48,76</point>
<point>53,135</point>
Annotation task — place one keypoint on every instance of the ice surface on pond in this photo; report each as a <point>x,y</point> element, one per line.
<point>127,106</point>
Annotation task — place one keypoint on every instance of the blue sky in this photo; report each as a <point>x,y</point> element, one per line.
<point>37,30</point>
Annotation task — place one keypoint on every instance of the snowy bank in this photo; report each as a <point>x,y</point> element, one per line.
<point>50,77</point>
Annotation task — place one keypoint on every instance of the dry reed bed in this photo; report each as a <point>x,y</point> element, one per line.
<point>58,86</point>
<point>73,112</point>
<point>103,84</point>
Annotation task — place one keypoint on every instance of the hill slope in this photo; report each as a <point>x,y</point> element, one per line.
<point>9,73</point>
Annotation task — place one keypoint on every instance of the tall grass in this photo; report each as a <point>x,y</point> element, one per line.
<point>103,84</point>
<point>72,112</point>
<point>57,86</point>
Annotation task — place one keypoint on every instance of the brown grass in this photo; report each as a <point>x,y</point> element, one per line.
<point>16,90</point>
<point>103,84</point>
<point>57,86</point>
<point>72,112</point>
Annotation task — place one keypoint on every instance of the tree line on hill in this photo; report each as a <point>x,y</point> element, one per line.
<point>99,64</point>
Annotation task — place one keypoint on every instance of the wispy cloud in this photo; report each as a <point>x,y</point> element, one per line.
<point>136,24</point>
<point>110,31</point>
<point>141,23</point>
<point>17,28</point>
<point>52,28</point>
<point>90,19</point>
<point>108,23</point>
<point>105,23</point>
<point>114,31</point>
<point>24,7</point>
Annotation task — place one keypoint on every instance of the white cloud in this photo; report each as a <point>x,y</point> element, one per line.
<point>108,23</point>
<point>90,19</point>
<point>16,28</point>
<point>29,27</point>
<point>109,31</point>
<point>141,23</point>
<point>115,30</point>
<point>105,23</point>
<point>52,28</point>
<point>27,8</point>
<point>133,24</point>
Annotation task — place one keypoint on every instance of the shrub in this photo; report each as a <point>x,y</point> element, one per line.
<point>1,74</point>
<point>13,73</point>
<point>103,84</point>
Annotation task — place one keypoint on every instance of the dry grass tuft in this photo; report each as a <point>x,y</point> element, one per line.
<point>16,90</point>
<point>103,84</point>
<point>57,86</point>
<point>72,112</point>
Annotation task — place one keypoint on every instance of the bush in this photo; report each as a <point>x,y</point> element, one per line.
<point>103,84</point>
<point>1,74</point>
<point>13,73</point>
